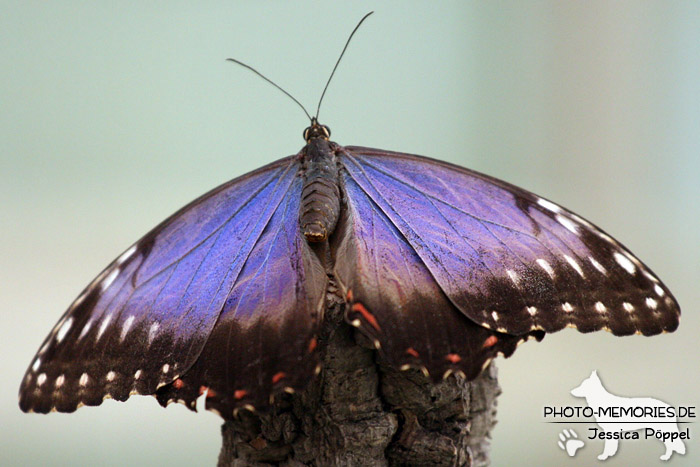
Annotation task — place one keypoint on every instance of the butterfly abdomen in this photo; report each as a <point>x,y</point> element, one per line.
<point>320,197</point>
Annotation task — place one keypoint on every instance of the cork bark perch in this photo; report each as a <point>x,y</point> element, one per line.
<point>359,411</point>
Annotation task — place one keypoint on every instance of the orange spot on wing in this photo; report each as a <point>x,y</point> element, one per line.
<point>412,352</point>
<point>312,344</point>
<point>210,392</point>
<point>490,342</point>
<point>278,376</point>
<point>348,296</point>
<point>369,317</point>
<point>178,383</point>
<point>453,358</point>
<point>239,393</point>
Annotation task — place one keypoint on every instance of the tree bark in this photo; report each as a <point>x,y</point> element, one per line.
<point>359,411</point>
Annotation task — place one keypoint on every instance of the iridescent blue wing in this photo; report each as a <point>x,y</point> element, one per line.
<point>265,336</point>
<point>144,321</point>
<point>510,261</point>
<point>393,298</point>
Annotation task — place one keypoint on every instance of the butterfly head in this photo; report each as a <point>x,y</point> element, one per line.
<point>316,130</point>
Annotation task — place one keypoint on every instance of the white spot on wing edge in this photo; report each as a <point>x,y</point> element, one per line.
<point>599,307</point>
<point>568,223</point>
<point>111,375</point>
<point>624,262</point>
<point>127,254</point>
<point>581,220</point>
<point>597,265</point>
<point>606,237</point>
<point>36,364</point>
<point>513,277</point>
<point>64,329</point>
<point>83,379</point>
<point>548,205</point>
<point>137,375</point>
<point>58,325</point>
<point>651,277</point>
<point>152,332</point>
<point>85,329</point>
<point>572,262</point>
<point>109,279</point>
<point>545,265</point>
<point>126,326</point>
<point>79,300</point>
<point>532,310</point>
<point>103,326</point>
<point>44,347</point>
<point>494,315</point>
<point>651,303</point>
<point>166,368</point>
<point>41,379</point>
<point>659,291</point>
<point>628,307</point>
<point>566,306</point>
<point>59,381</point>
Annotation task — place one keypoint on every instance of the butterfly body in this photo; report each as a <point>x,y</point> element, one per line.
<point>441,267</point>
<point>320,206</point>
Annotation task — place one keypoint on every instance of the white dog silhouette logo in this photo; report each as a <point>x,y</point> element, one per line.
<point>607,408</point>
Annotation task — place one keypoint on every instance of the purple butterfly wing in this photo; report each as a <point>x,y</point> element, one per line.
<point>267,329</point>
<point>507,259</point>
<point>394,300</point>
<point>143,322</point>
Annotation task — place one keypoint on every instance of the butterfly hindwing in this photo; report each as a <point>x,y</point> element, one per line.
<point>394,300</point>
<point>508,259</point>
<point>145,319</point>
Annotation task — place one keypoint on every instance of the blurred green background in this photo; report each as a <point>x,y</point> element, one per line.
<point>114,114</point>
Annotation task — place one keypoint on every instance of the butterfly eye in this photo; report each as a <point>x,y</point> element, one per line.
<point>316,131</point>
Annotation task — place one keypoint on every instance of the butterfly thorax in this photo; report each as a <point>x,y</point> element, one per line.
<point>320,196</point>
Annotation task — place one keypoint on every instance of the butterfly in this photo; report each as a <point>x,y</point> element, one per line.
<point>441,267</point>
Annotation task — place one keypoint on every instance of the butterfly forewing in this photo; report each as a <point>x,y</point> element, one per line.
<point>508,259</point>
<point>145,319</point>
<point>265,336</point>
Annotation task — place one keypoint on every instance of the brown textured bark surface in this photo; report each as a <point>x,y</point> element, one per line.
<point>360,412</point>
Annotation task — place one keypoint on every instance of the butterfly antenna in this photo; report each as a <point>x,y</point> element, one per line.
<point>339,58</point>
<point>272,82</point>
